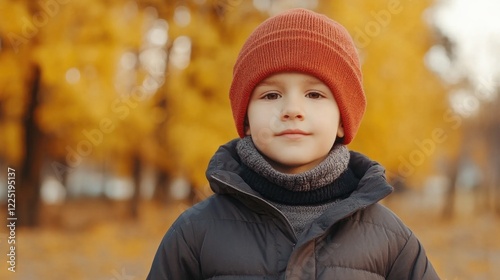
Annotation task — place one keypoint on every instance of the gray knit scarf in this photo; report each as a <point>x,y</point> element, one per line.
<point>302,197</point>
<point>323,174</point>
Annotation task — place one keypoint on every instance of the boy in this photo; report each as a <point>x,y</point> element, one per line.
<point>291,202</point>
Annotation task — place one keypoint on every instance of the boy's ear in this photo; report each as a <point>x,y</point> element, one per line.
<point>340,130</point>
<point>246,127</point>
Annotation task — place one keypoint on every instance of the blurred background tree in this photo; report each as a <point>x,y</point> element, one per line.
<point>113,87</point>
<point>79,96</point>
<point>465,57</point>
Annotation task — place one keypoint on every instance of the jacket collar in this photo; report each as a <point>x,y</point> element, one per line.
<point>222,173</point>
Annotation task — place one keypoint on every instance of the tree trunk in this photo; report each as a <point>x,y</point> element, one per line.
<point>136,174</point>
<point>495,157</point>
<point>452,172</point>
<point>28,193</point>
<point>449,204</point>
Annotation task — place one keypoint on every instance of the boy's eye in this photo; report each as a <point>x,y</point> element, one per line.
<point>314,95</point>
<point>271,95</point>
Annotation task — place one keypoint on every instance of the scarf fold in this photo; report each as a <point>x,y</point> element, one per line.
<point>328,181</point>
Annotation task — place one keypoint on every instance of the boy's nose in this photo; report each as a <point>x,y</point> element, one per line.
<point>292,115</point>
<point>292,110</point>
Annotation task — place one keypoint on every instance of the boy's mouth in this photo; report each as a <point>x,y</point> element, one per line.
<point>293,133</point>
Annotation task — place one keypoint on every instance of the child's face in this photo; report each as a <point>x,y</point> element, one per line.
<point>293,120</point>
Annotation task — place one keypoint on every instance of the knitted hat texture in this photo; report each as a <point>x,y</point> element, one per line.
<point>300,40</point>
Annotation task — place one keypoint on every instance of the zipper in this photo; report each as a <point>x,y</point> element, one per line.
<point>287,222</point>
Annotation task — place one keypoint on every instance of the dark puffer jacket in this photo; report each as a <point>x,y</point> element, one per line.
<point>236,234</point>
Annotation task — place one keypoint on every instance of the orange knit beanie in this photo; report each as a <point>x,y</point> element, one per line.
<point>300,40</point>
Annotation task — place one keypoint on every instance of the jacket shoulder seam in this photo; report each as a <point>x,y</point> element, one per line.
<point>405,237</point>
